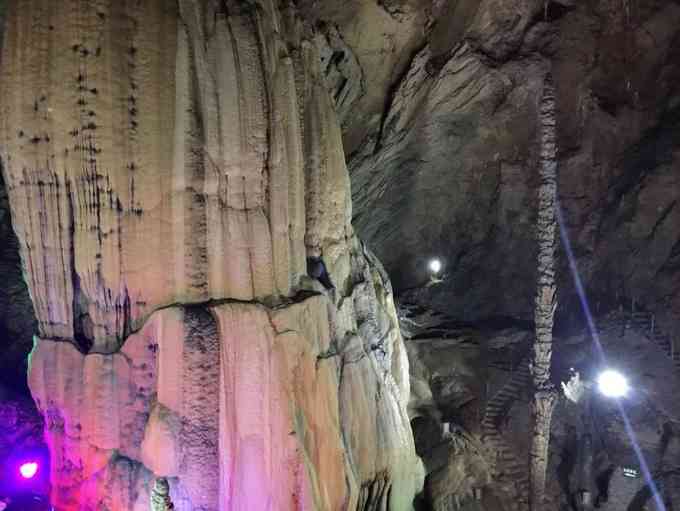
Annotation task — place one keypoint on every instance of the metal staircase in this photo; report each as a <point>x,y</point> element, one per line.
<point>512,474</point>
<point>644,323</point>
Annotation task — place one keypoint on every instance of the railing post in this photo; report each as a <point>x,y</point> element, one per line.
<point>672,339</point>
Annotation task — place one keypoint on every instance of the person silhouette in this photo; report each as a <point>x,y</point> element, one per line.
<point>316,269</point>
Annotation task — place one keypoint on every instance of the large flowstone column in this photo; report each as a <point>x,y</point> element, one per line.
<point>170,166</point>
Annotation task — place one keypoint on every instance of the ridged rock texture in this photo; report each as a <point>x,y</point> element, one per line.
<point>545,394</point>
<point>170,166</point>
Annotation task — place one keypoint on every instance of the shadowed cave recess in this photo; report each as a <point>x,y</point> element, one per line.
<point>369,255</point>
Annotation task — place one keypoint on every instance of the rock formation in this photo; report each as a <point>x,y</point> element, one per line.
<point>170,166</point>
<point>545,394</point>
<point>449,167</point>
<point>443,155</point>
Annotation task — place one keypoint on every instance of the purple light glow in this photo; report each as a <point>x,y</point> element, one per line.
<point>28,470</point>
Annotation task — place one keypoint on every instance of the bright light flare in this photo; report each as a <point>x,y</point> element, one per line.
<point>28,470</point>
<point>612,384</point>
<point>435,265</point>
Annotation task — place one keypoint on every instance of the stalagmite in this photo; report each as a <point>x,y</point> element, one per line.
<point>170,167</point>
<point>545,395</point>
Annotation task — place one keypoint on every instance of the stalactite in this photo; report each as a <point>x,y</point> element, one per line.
<point>545,395</point>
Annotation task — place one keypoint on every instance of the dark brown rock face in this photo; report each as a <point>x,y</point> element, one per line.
<point>443,150</point>
<point>449,168</point>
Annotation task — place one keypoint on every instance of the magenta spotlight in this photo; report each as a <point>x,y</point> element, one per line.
<point>28,470</point>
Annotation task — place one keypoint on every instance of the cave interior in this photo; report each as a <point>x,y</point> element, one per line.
<point>316,255</point>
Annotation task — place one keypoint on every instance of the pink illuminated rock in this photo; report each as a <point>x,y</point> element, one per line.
<point>178,164</point>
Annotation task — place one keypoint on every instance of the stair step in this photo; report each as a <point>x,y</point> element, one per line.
<point>495,403</point>
<point>516,474</point>
<point>512,385</point>
<point>512,464</point>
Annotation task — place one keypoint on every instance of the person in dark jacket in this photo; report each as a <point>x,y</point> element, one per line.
<point>316,269</point>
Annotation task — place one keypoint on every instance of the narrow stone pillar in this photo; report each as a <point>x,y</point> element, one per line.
<point>545,395</point>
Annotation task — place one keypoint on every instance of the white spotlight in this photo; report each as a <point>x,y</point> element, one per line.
<point>612,384</point>
<point>435,265</point>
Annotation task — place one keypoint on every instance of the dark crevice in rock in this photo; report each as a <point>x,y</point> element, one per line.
<point>17,317</point>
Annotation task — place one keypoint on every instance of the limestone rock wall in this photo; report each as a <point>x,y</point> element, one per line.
<point>170,166</point>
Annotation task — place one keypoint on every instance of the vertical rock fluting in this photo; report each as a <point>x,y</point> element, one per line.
<point>170,166</point>
<point>545,395</point>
